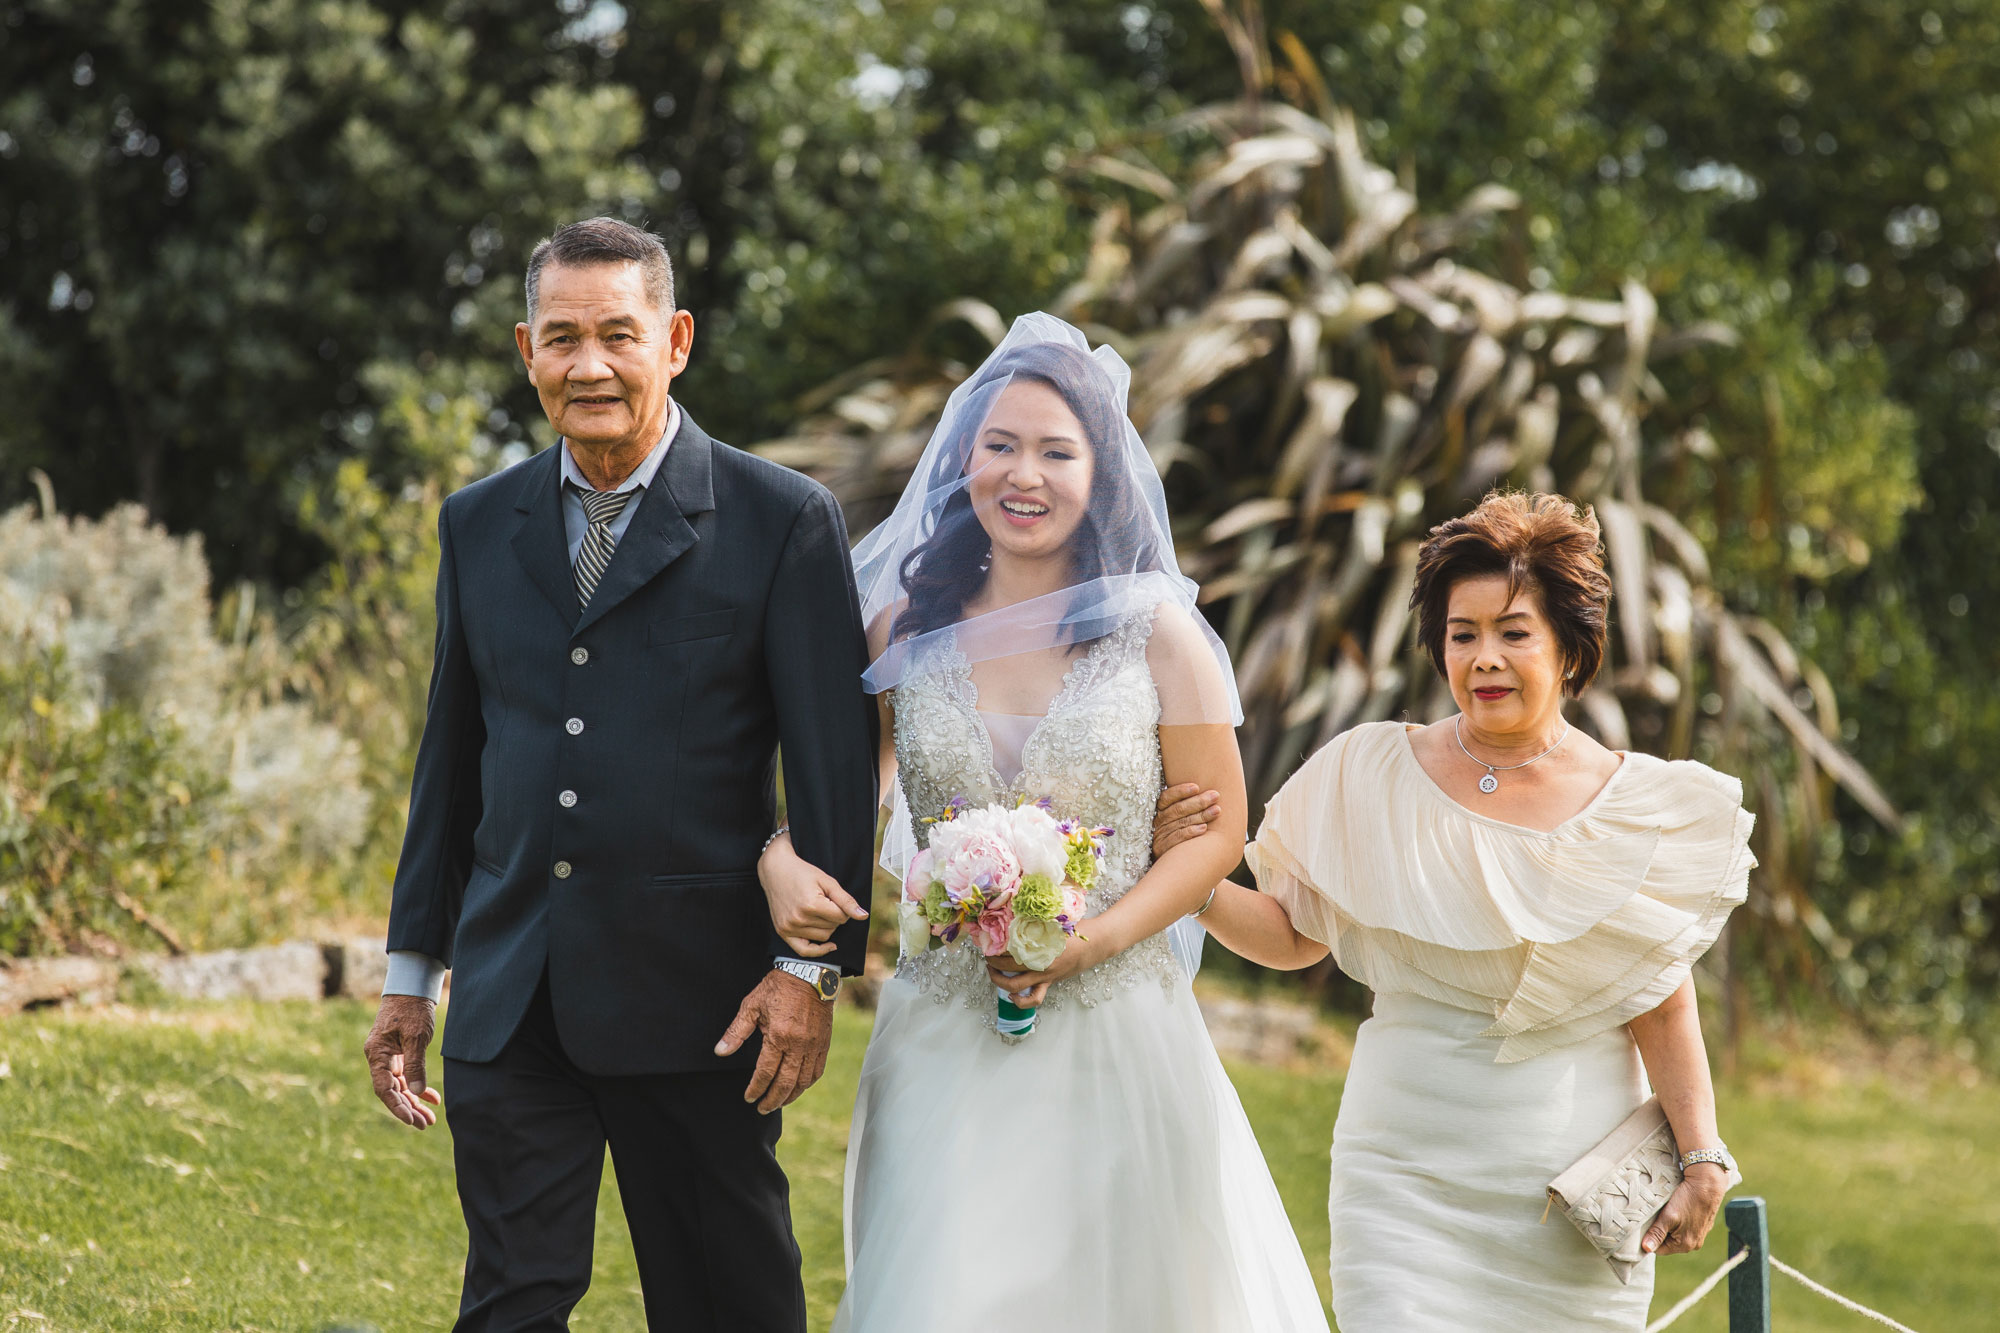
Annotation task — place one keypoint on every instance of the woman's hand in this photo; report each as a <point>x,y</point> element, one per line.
<point>1078,955</point>
<point>1185,812</point>
<point>807,905</point>
<point>1683,1224</point>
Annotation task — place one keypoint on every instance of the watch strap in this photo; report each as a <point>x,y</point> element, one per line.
<point>823,979</point>
<point>1716,1156</point>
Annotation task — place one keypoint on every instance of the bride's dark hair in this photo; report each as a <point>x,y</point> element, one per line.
<point>942,572</point>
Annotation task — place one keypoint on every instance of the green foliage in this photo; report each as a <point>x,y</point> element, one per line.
<point>132,710</point>
<point>901,153</point>
<point>259,261</point>
<point>358,638</point>
<point>101,817</point>
<point>219,220</point>
<point>1824,176</point>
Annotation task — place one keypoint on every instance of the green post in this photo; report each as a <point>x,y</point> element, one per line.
<point>1750,1284</point>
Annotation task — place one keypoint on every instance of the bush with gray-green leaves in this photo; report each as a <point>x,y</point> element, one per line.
<point>140,761</point>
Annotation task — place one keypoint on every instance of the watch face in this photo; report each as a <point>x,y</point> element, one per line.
<point>828,983</point>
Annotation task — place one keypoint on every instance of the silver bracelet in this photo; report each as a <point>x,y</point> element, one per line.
<point>783,829</point>
<point>1210,902</point>
<point>1717,1156</point>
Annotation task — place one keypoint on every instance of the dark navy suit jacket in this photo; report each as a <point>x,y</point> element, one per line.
<point>593,786</point>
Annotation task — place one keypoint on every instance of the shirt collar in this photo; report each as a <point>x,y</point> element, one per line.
<point>643,474</point>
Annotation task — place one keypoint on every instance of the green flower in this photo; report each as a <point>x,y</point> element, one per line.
<point>937,906</point>
<point>1081,867</point>
<point>1037,898</point>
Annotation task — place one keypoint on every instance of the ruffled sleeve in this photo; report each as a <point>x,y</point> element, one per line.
<point>1559,935</point>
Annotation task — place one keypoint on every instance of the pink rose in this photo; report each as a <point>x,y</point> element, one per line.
<point>1073,903</point>
<point>989,932</point>
<point>983,861</point>
<point>917,876</point>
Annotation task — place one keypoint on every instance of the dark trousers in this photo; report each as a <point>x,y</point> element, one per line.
<point>708,1206</point>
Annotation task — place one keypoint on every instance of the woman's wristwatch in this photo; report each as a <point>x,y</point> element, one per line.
<point>1718,1155</point>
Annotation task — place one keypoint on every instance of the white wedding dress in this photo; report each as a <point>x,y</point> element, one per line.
<point>1098,1176</point>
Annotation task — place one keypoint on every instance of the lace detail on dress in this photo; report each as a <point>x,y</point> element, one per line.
<point>1095,755</point>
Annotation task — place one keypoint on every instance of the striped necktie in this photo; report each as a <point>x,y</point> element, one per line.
<point>594,556</point>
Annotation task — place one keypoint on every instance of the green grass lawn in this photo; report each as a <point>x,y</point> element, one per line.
<point>225,1167</point>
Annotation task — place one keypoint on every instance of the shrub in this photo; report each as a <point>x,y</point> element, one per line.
<point>100,812</point>
<point>143,736</point>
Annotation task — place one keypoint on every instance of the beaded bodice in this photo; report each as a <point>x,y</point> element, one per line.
<point>1095,755</point>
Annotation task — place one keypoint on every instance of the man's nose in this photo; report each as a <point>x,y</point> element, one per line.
<point>590,364</point>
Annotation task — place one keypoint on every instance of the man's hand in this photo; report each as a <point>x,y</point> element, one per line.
<point>395,1051</point>
<point>798,1029</point>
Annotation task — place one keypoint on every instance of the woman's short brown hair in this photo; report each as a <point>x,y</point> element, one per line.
<point>1547,543</point>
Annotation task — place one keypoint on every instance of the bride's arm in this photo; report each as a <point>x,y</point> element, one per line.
<point>806,903</point>
<point>1197,745</point>
<point>1178,882</point>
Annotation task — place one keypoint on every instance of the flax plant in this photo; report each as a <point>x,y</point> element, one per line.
<point>1322,371</point>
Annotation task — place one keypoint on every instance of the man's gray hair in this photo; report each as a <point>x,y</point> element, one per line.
<point>605,241</point>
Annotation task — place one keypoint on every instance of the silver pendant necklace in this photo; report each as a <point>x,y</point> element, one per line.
<point>1491,782</point>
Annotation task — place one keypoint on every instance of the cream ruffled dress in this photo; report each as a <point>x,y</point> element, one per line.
<point>1506,962</point>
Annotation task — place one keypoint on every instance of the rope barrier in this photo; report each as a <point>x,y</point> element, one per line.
<point>1693,1298</point>
<point>1838,1299</point>
<point>1736,1260</point>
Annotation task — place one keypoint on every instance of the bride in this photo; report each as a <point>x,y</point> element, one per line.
<point>1032,637</point>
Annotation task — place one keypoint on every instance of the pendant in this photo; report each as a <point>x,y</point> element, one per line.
<point>1489,784</point>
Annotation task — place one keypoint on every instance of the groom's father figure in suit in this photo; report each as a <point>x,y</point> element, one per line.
<point>630,627</point>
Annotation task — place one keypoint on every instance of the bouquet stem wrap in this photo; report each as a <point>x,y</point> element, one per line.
<point>1013,1020</point>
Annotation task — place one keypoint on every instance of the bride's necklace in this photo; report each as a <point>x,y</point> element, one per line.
<point>1491,782</point>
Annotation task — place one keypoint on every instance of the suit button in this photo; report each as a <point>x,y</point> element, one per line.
<point>562,870</point>
<point>579,655</point>
<point>575,725</point>
<point>567,799</point>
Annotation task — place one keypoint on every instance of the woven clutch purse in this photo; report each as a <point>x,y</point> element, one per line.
<point>1613,1192</point>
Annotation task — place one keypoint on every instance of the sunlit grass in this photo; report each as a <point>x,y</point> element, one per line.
<point>224,1167</point>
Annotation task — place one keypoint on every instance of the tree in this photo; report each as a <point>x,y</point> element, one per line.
<point>212,229</point>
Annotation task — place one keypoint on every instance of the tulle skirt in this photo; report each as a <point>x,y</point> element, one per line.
<point>1441,1160</point>
<point>1098,1177</point>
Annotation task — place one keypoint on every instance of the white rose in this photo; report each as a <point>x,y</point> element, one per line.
<point>914,929</point>
<point>1038,843</point>
<point>992,820</point>
<point>1035,944</point>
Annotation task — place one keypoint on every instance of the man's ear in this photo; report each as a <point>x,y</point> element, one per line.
<point>524,339</point>
<point>680,341</point>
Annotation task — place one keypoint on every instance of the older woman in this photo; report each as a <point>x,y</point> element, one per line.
<point>1526,905</point>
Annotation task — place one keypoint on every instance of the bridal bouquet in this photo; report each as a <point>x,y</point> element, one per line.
<point>1009,881</point>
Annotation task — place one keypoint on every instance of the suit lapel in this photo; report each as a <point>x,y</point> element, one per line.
<point>540,543</point>
<point>659,532</point>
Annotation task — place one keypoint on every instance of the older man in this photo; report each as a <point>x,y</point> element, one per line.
<point>631,625</point>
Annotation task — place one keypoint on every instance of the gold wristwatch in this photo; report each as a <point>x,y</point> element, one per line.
<point>824,980</point>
